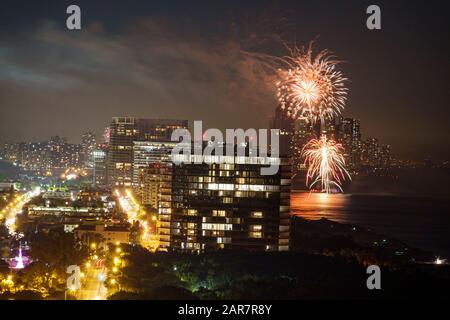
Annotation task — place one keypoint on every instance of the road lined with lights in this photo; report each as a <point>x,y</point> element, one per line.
<point>93,287</point>
<point>134,212</point>
<point>15,207</point>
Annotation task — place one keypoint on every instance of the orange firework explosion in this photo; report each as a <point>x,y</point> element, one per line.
<point>325,164</point>
<point>311,86</point>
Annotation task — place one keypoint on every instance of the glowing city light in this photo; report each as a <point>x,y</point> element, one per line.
<point>19,259</point>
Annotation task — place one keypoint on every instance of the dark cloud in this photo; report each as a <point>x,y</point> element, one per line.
<point>73,81</point>
<point>205,60</point>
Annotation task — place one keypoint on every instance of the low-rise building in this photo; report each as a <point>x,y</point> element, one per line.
<point>107,233</point>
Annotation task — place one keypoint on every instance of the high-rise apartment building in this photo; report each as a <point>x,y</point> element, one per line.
<point>148,158</point>
<point>349,135</point>
<point>209,206</point>
<point>124,131</point>
<point>88,142</point>
<point>303,132</point>
<point>146,153</point>
<point>99,172</point>
<point>286,126</point>
<point>376,155</point>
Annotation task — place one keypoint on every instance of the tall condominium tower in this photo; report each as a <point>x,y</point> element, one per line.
<point>123,132</point>
<point>210,206</point>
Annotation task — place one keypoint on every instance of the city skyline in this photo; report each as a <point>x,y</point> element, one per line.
<point>168,71</point>
<point>221,156</point>
<point>337,127</point>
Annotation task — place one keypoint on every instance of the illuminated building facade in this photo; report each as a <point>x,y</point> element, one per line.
<point>349,135</point>
<point>375,155</point>
<point>303,132</point>
<point>56,153</point>
<point>99,173</point>
<point>212,206</point>
<point>88,142</point>
<point>149,184</point>
<point>146,153</point>
<point>124,131</point>
<point>286,126</point>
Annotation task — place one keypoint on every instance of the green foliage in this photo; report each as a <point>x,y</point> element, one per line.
<point>56,249</point>
<point>4,269</point>
<point>259,276</point>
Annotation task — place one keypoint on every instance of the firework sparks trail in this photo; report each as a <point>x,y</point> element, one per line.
<point>311,86</point>
<point>326,164</point>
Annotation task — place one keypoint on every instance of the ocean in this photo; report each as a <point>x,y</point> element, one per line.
<point>421,222</point>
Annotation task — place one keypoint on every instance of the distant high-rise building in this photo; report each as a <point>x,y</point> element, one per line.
<point>286,126</point>
<point>370,152</point>
<point>56,148</point>
<point>88,141</point>
<point>385,157</point>
<point>74,155</point>
<point>148,158</point>
<point>55,154</point>
<point>123,132</point>
<point>12,152</point>
<point>303,132</point>
<point>149,183</point>
<point>349,134</point>
<point>146,153</point>
<point>210,206</point>
<point>99,172</point>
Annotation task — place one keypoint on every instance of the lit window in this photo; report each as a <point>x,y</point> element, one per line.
<point>219,213</point>
<point>257,214</point>
<point>257,234</point>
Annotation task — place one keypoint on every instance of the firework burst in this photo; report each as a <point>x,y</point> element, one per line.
<point>311,86</point>
<point>326,165</point>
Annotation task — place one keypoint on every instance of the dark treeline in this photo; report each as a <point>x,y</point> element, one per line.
<point>263,275</point>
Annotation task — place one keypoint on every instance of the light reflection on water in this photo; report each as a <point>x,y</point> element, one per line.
<point>321,205</point>
<point>421,222</point>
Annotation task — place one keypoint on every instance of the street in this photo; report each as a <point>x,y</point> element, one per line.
<point>92,287</point>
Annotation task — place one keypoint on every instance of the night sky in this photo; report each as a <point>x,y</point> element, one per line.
<point>195,60</point>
